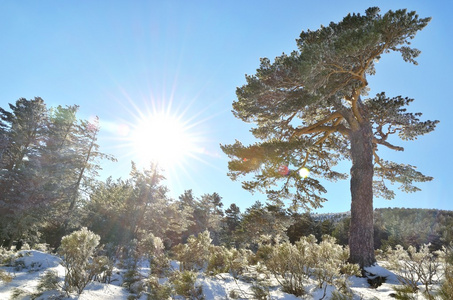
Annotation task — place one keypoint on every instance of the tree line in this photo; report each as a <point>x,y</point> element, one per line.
<point>49,187</point>
<point>48,161</point>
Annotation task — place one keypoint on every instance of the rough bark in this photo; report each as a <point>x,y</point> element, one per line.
<point>361,240</point>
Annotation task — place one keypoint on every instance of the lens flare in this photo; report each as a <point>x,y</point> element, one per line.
<point>304,172</point>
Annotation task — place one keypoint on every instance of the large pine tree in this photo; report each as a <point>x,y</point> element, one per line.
<point>310,113</point>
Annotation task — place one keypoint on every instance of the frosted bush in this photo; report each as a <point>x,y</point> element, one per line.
<point>130,255</point>
<point>223,260</point>
<point>157,291</point>
<point>41,247</point>
<point>101,269</point>
<point>219,260</point>
<point>414,267</point>
<point>446,289</point>
<point>331,266</point>
<point>289,266</point>
<point>153,248</point>
<point>239,261</point>
<point>326,262</point>
<point>6,256</point>
<point>5,277</point>
<point>195,253</point>
<point>184,285</point>
<point>77,250</point>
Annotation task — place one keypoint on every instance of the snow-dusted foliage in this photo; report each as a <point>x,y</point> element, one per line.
<point>41,276</point>
<point>195,253</point>
<point>184,284</point>
<point>446,289</point>
<point>224,260</point>
<point>77,250</point>
<point>295,265</point>
<point>415,267</point>
<point>153,248</point>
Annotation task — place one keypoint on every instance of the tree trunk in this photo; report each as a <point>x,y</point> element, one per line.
<point>361,241</point>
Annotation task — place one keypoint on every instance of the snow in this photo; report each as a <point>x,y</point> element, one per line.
<point>34,264</point>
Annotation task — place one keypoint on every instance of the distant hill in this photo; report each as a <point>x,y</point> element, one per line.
<point>393,226</point>
<point>334,217</point>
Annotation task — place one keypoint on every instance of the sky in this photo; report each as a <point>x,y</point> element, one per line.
<point>128,61</point>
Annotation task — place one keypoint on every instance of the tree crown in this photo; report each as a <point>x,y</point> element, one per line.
<point>306,105</point>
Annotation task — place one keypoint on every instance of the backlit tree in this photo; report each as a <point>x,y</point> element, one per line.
<point>310,112</point>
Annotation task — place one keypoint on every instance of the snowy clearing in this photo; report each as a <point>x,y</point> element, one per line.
<point>33,264</point>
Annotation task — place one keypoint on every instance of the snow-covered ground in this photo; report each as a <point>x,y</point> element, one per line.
<point>34,264</point>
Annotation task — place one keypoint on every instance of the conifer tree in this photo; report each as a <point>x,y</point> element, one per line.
<point>310,112</point>
<point>230,223</point>
<point>21,189</point>
<point>46,157</point>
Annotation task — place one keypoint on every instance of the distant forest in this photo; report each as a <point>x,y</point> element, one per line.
<point>392,226</point>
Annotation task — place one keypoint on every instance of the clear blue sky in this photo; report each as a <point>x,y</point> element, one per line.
<point>119,59</point>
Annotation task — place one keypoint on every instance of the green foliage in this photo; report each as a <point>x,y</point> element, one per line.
<point>18,293</point>
<point>230,223</point>
<point>446,289</point>
<point>49,281</point>
<point>184,285</point>
<point>6,256</point>
<point>77,250</point>
<point>404,292</point>
<point>414,227</point>
<point>262,220</point>
<point>195,253</point>
<point>153,248</point>
<point>130,280</point>
<point>289,265</point>
<point>123,210</point>
<point>219,260</point>
<point>201,214</point>
<point>46,157</point>
<point>157,291</point>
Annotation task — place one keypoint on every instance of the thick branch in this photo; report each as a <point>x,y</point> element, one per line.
<point>387,144</point>
<point>340,69</point>
<point>314,128</point>
<point>355,104</point>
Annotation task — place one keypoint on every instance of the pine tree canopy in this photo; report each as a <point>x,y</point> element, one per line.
<point>306,106</point>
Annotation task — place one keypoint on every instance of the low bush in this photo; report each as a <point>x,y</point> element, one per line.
<point>184,285</point>
<point>446,289</point>
<point>224,260</point>
<point>414,267</point>
<point>293,265</point>
<point>101,269</point>
<point>49,281</point>
<point>77,250</point>
<point>157,291</point>
<point>194,255</point>
<point>5,277</point>
<point>153,248</point>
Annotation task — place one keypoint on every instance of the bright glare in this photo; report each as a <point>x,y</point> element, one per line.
<point>304,172</point>
<point>163,139</point>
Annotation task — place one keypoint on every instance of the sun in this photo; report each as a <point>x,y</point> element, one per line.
<point>162,138</point>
